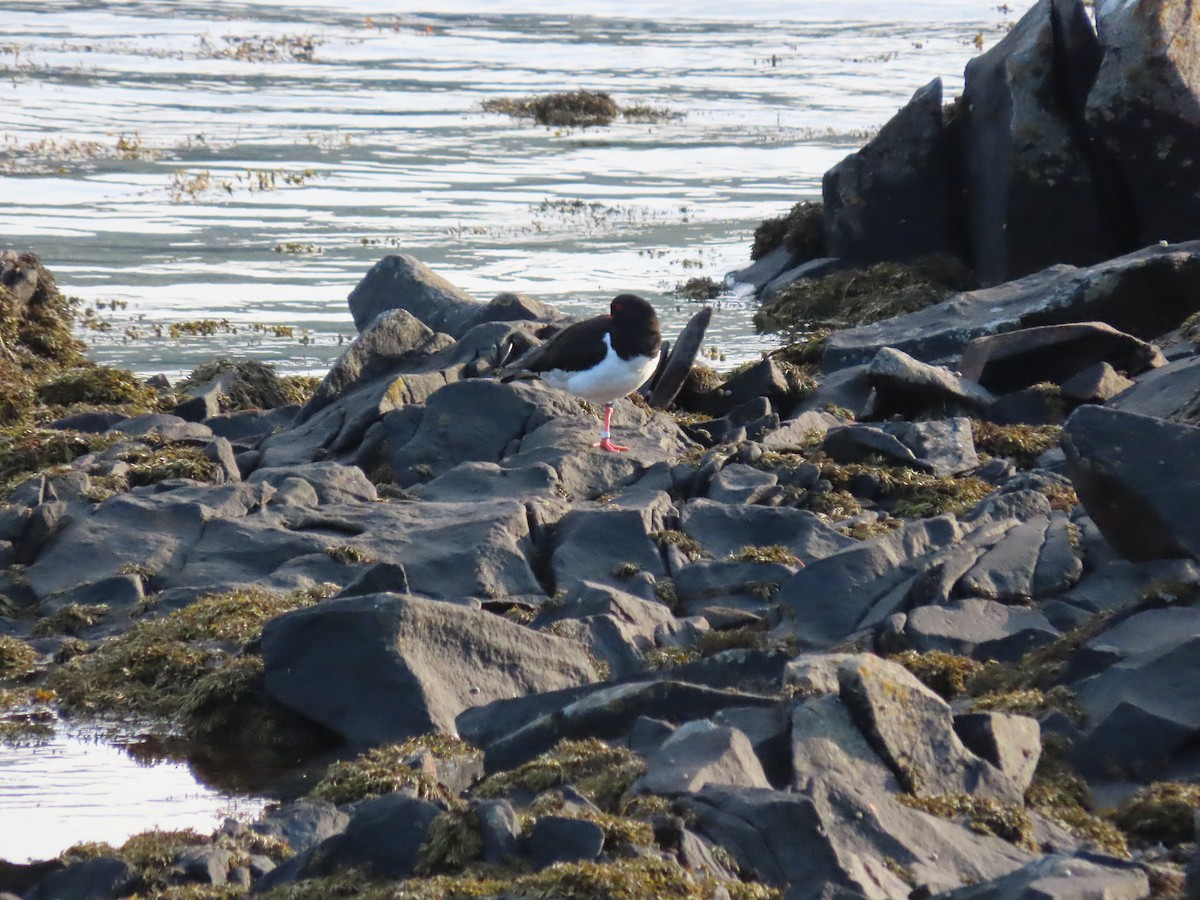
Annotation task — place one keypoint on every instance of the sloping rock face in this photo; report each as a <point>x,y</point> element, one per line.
<point>899,185</point>
<point>1122,465</point>
<point>1026,156</point>
<point>423,661</point>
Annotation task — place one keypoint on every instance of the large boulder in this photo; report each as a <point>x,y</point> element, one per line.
<point>1126,470</point>
<point>385,667</point>
<point>894,198</point>
<point>404,282</point>
<point>1033,200</point>
<point>1144,110</point>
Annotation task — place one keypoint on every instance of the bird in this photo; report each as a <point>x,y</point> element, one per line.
<point>599,359</point>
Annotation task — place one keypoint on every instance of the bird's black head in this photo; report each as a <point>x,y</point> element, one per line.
<point>634,326</point>
<point>632,310</point>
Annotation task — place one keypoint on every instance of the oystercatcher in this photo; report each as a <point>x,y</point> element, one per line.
<point>600,359</point>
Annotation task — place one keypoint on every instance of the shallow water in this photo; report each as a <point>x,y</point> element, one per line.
<point>141,138</point>
<point>83,786</point>
<point>159,173</point>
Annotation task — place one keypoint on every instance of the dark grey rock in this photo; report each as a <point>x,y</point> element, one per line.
<point>500,829</point>
<point>303,823</point>
<point>475,420</point>
<point>168,427</point>
<point>220,451</point>
<point>723,529</point>
<point>860,443</point>
<point>1097,383</point>
<point>94,879</point>
<point>404,282</point>
<point>384,345</point>
<point>251,425</point>
<point>827,744</point>
<point>982,629</point>
<point>708,580</point>
<point>739,483</point>
<point>1019,359</point>
<point>205,865</point>
<point>592,543</point>
<point>947,446</point>
<point>508,306</point>
<point>556,839</point>
<point>765,269</point>
<point>332,482</point>
<point>1156,692</point>
<point>401,648</point>
<point>1006,571</point>
<point>1062,877</point>
<point>382,838</point>
<point>1123,467</point>
<point>699,753</point>
<point>1170,392</point>
<point>770,732</point>
<point>119,592</point>
<point>800,429</point>
<point>1144,111</point>
<point>894,198</point>
<point>809,270</point>
<point>913,731</point>
<point>1112,291</point>
<point>1034,200</point>
<point>906,386</point>
<point>1011,743</point>
<point>828,598</point>
<point>679,361</point>
<point>609,712</point>
<point>839,840</point>
<point>94,422</point>
<point>763,379</point>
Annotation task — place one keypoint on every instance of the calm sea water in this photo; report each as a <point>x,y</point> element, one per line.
<point>247,163</point>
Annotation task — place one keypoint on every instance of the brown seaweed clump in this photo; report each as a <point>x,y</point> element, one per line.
<point>801,231</point>
<point>862,296</point>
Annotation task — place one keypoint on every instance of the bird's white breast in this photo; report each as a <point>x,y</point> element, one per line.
<point>612,379</point>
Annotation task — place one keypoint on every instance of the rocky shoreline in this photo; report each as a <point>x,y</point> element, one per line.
<point>909,609</point>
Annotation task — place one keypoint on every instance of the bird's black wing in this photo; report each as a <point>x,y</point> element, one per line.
<point>578,346</point>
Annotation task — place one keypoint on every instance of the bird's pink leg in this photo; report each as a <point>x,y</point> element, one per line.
<point>605,442</point>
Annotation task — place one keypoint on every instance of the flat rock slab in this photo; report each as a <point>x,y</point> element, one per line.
<point>1019,359</point>
<point>384,667</point>
<point>1112,291</point>
<point>981,629</point>
<point>1168,393</point>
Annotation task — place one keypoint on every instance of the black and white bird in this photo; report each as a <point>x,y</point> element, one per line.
<point>599,359</point>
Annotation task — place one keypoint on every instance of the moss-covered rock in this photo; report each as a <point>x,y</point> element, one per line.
<point>382,770</point>
<point>801,231</point>
<point>981,814</point>
<point>94,385</point>
<point>17,658</point>
<point>601,773</point>
<point>250,384</point>
<point>861,296</point>
<point>1023,444</point>
<point>1163,812</point>
<point>151,669</point>
<point>28,451</point>
<point>946,674</point>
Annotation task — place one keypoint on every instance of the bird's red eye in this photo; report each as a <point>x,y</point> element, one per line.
<point>618,307</point>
